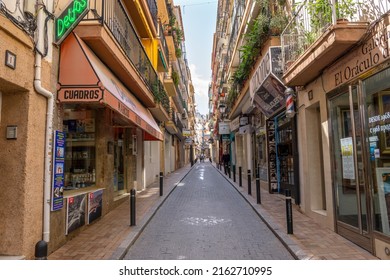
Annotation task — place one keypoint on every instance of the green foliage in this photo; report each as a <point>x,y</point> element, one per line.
<point>175,77</point>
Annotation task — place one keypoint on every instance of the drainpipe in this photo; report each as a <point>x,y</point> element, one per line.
<point>49,130</point>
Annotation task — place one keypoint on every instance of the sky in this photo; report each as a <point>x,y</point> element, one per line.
<point>199,20</point>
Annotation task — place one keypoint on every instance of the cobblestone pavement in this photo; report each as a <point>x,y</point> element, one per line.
<point>205,218</point>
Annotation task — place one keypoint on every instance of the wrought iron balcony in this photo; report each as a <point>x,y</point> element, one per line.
<point>107,22</point>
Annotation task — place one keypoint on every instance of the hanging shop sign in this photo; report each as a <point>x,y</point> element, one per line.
<point>69,19</point>
<point>224,128</point>
<point>57,191</point>
<point>266,88</point>
<point>235,124</point>
<point>186,132</point>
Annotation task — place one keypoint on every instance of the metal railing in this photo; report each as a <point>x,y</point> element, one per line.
<point>113,15</point>
<point>312,18</point>
<point>153,11</point>
<point>164,42</point>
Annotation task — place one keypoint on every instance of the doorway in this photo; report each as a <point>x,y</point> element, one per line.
<point>349,187</point>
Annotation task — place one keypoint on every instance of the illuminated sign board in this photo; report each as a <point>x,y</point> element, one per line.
<point>69,19</point>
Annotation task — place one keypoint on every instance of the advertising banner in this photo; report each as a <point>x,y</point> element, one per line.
<point>75,212</point>
<point>95,204</point>
<point>58,171</point>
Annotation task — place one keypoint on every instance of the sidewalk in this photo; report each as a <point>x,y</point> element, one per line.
<point>110,237</point>
<point>309,239</point>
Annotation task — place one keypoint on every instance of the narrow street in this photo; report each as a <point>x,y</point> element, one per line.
<point>206,218</point>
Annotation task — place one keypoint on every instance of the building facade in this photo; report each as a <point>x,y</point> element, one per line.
<point>97,112</point>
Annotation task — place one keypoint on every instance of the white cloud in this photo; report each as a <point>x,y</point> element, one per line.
<point>201,87</point>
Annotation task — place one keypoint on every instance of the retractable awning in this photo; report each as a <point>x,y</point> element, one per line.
<point>83,78</point>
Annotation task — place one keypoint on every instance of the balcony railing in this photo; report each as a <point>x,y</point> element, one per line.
<point>113,15</point>
<point>163,42</point>
<point>153,11</point>
<point>312,18</point>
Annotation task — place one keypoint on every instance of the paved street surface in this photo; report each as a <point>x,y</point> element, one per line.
<point>206,218</point>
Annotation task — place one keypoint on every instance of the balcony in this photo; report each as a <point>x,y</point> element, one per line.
<point>143,14</point>
<point>109,32</point>
<point>163,52</point>
<point>311,42</point>
<point>162,109</point>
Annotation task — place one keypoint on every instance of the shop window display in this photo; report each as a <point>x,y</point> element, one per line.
<point>378,119</point>
<point>80,152</point>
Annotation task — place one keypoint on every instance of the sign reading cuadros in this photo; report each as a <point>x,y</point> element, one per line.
<point>69,19</point>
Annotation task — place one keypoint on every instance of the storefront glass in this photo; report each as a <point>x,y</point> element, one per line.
<point>80,150</point>
<point>377,92</point>
<point>348,176</point>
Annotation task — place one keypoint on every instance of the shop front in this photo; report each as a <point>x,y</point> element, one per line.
<point>347,111</point>
<point>105,129</point>
<point>267,93</point>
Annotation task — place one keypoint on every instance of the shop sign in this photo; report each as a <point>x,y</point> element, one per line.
<point>69,19</point>
<point>272,172</point>
<point>245,129</point>
<point>225,138</point>
<point>266,88</point>
<point>186,132</point>
<point>224,128</point>
<point>79,94</point>
<point>57,191</point>
<point>235,124</point>
<point>371,53</point>
<point>244,121</point>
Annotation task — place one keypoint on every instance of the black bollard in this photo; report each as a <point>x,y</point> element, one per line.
<point>289,214</point>
<point>258,194</point>
<point>161,183</point>
<point>41,250</point>
<point>249,183</point>
<point>234,173</point>
<point>240,176</point>
<point>132,207</point>
<point>230,175</point>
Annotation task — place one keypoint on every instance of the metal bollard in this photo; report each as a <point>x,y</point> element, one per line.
<point>230,175</point>
<point>132,207</point>
<point>258,194</point>
<point>240,176</point>
<point>41,250</point>
<point>234,173</point>
<point>161,183</point>
<point>289,214</point>
<point>249,183</point>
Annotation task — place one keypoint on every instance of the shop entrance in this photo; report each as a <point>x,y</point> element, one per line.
<point>349,184</point>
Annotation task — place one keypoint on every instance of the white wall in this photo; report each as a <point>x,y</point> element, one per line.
<point>151,161</point>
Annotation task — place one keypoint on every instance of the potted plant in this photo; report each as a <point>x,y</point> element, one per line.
<point>277,24</point>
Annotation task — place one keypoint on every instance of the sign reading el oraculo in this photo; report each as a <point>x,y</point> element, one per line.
<point>266,88</point>
<point>369,54</point>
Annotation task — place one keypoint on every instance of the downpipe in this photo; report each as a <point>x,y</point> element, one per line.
<point>49,130</point>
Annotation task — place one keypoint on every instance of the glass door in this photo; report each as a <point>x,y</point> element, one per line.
<point>348,172</point>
